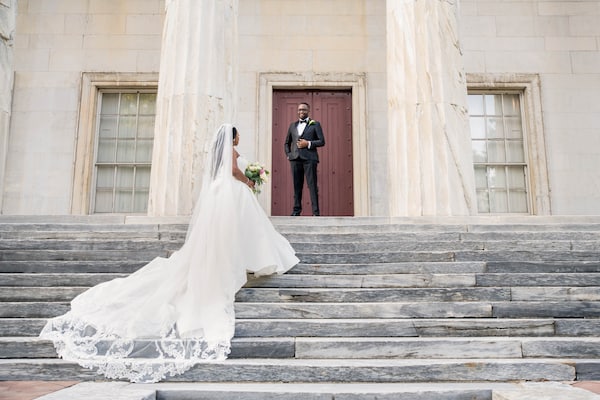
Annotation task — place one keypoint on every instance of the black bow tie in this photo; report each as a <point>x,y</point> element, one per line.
<point>304,120</point>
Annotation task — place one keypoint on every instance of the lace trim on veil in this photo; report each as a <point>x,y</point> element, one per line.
<point>140,360</point>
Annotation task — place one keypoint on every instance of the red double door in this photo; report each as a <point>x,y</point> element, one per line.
<point>333,109</point>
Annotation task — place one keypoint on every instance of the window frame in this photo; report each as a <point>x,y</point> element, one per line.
<point>506,164</point>
<point>116,164</point>
<point>533,132</point>
<point>85,144</point>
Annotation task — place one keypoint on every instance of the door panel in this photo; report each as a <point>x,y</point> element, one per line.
<point>333,109</point>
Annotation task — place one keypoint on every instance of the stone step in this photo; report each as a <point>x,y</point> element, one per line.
<point>320,257</point>
<point>90,227</point>
<point>335,371</point>
<point>462,309</point>
<point>359,348</point>
<point>293,391</point>
<point>450,266</point>
<point>325,244</point>
<point>128,266</point>
<point>425,280</point>
<point>509,309</point>
<point>328,391</point>
<point>289,281</point>
<point>301,294</point>
<point>517,267</point>
<point>522,255</point>
<point>140,245</point>
<point>71,266</point>
<point>50,280</point>
<point>422,256</point>
<point>39,237</point>
<point>75,255</point>
<point>355,327</point>
<point>432,236</point>
<point>538,279</point>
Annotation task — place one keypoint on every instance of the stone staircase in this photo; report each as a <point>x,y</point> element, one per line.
<point>375,301</point>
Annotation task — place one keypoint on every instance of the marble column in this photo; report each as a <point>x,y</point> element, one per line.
<point>430,161</point>
<point>8,14</point>
<point>196,93</point>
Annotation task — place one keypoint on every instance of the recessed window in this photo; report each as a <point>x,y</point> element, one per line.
<point>123,157</point>
<point>499,154</point>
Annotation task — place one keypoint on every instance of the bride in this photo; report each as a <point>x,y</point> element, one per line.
<point>178,311</point>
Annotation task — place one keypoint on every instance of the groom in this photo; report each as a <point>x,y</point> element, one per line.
<point>303,138</point>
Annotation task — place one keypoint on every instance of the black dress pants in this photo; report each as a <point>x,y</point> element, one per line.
<point>300,170</point>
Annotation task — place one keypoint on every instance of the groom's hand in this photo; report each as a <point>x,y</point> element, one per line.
<point>302,143</point>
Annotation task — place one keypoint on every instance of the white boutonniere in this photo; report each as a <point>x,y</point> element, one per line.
<point>311,122</point>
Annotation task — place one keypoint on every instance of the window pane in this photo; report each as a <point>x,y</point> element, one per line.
<point>479,151</point>
<point>125,151</point>
<point>496,177</point>
<point>140,201</point>
<point>110,103</point>
<point>123,200</point>
<point>477,127</point>
<point>511,104</point>
<point>105,177</point>
<point>143,152</point>
<point>127,127</point>
<point>513,129</point>
<point>496,151</point>
<point>475,104</point>
<point>516,177</point>
<point>106,151</point>
<point>125,178</point>
<point>493,104</point>
<point>483,202</point>
<point>108,127</point>
<point>103,201</point>
<point>142,178</point>
<point>481,177</point>
<point>498,201</point>
<point>515,151</point>
<point>129,104</point>
<point>145,127</point>
<point>518,201</point>
<point>148,103</point>
<point>495,130</point>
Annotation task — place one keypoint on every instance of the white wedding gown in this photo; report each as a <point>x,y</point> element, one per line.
<point>178,311</point>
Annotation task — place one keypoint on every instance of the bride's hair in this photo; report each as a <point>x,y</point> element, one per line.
<point>220,145</point>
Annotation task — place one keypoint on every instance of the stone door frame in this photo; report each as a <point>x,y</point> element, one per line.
<point>357,84</point>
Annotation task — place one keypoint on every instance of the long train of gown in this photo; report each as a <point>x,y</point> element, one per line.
<point>178,311</point>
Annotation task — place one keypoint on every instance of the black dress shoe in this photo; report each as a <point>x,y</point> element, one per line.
<point>317,214</point>
<point>295,214</point>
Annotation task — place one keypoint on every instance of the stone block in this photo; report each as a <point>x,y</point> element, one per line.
<point>562,347</point>
<point>528,62</point>
<point>363,310</point>
<point>566,292</point>
<point>584,62</point>
<point>547,391</point>
<point>145,24</point>
<point>568,8</point>
<point>407,348</point>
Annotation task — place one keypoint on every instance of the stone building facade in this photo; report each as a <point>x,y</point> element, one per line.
<point>79,81</point>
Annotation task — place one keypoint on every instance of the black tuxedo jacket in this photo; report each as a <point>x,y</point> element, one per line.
<point>313,133</point>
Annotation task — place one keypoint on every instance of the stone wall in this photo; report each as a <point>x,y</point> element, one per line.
<point>559,41</point>
<point>55,42</point>
<point>315,43</point>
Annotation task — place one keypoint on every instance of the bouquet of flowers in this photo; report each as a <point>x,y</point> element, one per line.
<point>258,174</point>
